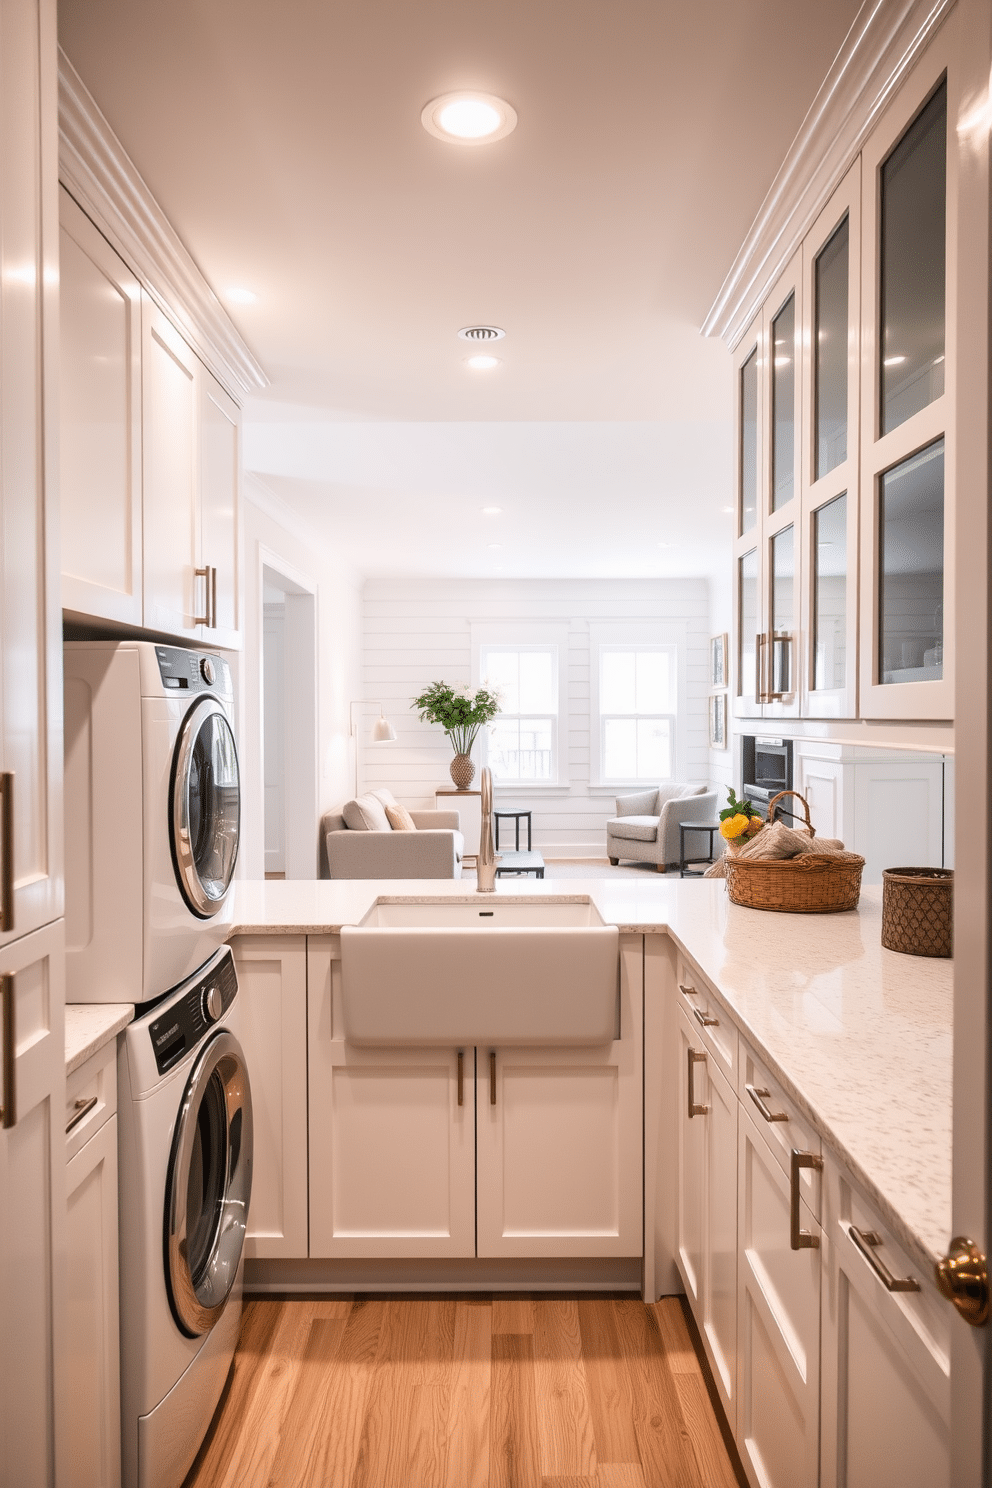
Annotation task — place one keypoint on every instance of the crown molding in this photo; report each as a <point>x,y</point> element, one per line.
<point>99,174</point>
<point>883,43</point>
<point>278,510</point>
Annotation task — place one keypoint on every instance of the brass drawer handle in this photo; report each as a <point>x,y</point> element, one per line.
<point>492,1077</point>
<point>759,1097</point>
<point>82,1108</point>
<point>7,851</point>
<point>704,1020</point>
<point>461,1078</point>
<point>8,1112</point>
<point>801,1239</point>
<point>696,1056</point>
<point>688,991</point>
<point>866,1242</point>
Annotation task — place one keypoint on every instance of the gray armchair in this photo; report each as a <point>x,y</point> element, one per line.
<point>434,850</point>
<point>646,826</point>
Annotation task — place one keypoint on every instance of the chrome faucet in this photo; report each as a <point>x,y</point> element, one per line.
<point>487,859</point>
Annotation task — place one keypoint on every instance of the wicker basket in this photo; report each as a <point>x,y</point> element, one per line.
<point>812,883</point>
<point>918,911</point>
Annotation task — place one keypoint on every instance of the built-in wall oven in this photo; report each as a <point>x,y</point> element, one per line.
<point>766,768</point>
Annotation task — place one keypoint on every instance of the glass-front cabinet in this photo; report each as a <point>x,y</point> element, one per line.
<point>907,457</point>
<point>845,459</point>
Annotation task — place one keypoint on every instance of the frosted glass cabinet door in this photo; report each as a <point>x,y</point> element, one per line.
<point>100,424</point>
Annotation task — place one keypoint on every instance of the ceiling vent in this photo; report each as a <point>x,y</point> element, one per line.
<point>481,333</point>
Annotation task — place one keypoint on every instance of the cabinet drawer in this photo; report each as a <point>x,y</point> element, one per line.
<point>90,1097</point>
<point>780,1123</point>
<point>714,1029</point>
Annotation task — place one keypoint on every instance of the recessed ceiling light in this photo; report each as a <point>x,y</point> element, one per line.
<point>240,296</point>
<point>492,511</point>
<point>482,363</point>
<point>893,361</point>
<point>469,118</point>
<point>495,547</point>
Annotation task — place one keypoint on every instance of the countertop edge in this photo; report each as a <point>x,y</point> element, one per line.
<point>90,1026</point>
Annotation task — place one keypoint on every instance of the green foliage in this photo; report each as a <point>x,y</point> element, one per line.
<point>460,713</point>
<point>738,808</point>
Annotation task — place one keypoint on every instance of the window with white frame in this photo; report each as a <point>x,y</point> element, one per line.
<point>523,738</point>
<point>637,712</point>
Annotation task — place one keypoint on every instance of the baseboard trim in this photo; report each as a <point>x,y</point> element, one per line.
<point>472,1274</point>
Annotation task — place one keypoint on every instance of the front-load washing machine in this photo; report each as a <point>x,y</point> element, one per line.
<point>152,816</point>
<point>185,1142</point>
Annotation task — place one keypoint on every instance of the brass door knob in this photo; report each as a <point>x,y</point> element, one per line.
<point>963,1277</point>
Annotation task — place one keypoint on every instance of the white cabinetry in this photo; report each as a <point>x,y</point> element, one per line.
<point>272,978</point>
<point>886,1354</point>
<point>219,552</point>
<point>100,421</point>
<point>32,1223</point>
<point>406,1144</point>
<point>92,1329</point>
<point>706,1245</point>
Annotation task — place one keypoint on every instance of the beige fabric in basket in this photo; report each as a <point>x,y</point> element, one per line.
<point>779,842</point>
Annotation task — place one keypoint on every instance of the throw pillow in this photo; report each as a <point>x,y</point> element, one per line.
<point>400,819</point>
<point>365,814</point>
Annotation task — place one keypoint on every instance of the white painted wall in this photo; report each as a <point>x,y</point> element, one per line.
<point>419,631</point>
<point>273,530</point>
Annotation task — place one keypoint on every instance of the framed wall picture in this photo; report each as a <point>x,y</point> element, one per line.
<point>718,660</point>
<point>718,720</point>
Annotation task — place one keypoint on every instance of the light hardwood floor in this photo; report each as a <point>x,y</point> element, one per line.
<point>450,1393</point>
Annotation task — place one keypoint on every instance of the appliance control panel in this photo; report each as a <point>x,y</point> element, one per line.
<point>191,671</point>
<point>203,1000</point>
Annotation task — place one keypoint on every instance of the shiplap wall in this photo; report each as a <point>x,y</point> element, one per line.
<point>419,631</point>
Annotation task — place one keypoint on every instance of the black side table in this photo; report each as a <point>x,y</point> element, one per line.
<point>685,871</point>
<point>515,817</point>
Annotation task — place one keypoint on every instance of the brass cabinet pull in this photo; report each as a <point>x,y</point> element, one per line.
<point>82,1108</point>
<point>461,1078</point>
<point>801,1239</point>
<point>204,574</point>
<point>8,1112</point>
<point>688,991</point>
<point>7,851</point>
<point>492,1077</point>
<point>759,1097</point>
<point>213,598</point>
<point>759,675</point>
<point>704,1020</point>
<point>866,1241</point>
<point>696,1056</point>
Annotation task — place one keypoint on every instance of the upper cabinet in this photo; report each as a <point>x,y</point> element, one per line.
<point>845,460</point>
<point>150,446</point>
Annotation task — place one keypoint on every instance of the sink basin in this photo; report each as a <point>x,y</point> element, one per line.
<point>477,972</point>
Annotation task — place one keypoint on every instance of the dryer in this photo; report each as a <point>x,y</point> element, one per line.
<point>185,1138</point>
<point>152,815</point>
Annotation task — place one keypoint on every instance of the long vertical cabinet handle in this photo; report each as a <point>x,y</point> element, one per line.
<point>696,1056</point>
<point>801,1239</point>
<point>213,598</point>
<point>461,1078</point>
<point>8,1032</point>
<point>204,574</point>
<point>7,851</point>
<point>759,668</point>
<point>492,1077</point>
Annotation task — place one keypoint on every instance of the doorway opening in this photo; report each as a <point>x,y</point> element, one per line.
<point>289,724</point>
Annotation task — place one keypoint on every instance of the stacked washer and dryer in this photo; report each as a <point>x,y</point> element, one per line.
<point>152,824</point>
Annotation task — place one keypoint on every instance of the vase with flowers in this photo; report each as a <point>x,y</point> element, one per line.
<point>739,823</point>
<point>461,713</point>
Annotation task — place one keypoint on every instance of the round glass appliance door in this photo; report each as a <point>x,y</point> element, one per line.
<point>209,1185</point>
<point>205,821</point>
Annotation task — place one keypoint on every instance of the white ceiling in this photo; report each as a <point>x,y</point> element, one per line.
<point>284,142</point>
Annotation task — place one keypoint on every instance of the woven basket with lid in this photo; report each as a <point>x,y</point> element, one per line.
<point>918,911</point>
<point>812,883</point>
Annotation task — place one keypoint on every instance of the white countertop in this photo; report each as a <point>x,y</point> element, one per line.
<point>859,1036</point>
<point>91,1025</point>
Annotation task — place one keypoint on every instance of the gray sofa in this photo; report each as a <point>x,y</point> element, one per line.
<point>646,826</point>
<point>361,844</point>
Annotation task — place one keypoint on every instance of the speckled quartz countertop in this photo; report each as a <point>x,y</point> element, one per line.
<point>91,1025</point>
<point>859,1036</point>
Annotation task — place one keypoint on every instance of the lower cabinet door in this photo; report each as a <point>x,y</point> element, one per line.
<point>392,1151</point>
<point>886,1356</point>
<point>707,1207</point>
<point>272,978</point>
<point>92,1336</point>
<point>778,1329</point>
<point>559,1139</point>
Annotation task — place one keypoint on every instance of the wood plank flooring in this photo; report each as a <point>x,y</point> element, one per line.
<point>545,1392</point>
